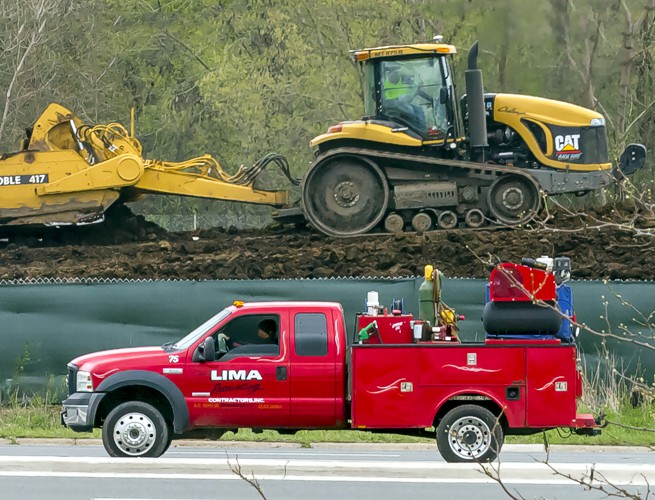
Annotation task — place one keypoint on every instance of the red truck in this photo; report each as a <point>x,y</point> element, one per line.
<point>306,374</point>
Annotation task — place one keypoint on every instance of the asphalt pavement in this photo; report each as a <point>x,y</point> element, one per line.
<point>76,470</point>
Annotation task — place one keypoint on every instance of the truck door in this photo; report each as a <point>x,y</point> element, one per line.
<point>313,371</point>
<point>247,386</point>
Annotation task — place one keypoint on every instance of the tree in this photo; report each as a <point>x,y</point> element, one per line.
<point>25,31</point>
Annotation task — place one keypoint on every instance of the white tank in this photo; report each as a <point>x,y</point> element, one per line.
<point>548,261</point>
<point>372,303</point>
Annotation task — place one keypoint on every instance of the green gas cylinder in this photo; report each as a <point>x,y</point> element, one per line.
<point>426,297</point>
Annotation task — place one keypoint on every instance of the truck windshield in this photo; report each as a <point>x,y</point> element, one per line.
<point>189,339</point>
<point>410,90</point>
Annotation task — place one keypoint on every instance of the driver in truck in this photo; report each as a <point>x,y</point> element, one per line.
<point>266,332</point>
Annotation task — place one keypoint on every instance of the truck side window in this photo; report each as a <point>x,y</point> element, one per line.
<point>310,334</point>
<point>249,335</point>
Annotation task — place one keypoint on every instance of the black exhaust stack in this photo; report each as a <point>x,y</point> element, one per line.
<point>477,122</point>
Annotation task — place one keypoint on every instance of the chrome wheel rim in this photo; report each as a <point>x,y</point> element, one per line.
<point>469,438</point>
<point>134,434</point>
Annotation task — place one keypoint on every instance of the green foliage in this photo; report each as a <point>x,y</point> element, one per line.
<point>634,427</point>
<point>35,417</point>
<point>240,78</point>
<point>35,421</point>
<point>23,360</point>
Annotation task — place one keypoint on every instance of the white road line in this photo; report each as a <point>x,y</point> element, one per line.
<point>285,453</point>
<point>266,477</point>
<point>330,464</point>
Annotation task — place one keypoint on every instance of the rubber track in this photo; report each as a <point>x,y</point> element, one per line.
<point>487,168</point>
<point>479,170</point>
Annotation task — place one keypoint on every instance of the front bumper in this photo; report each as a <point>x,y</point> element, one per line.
<point>79,410</point>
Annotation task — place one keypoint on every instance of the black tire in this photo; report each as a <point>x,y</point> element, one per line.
<point>345,195</point>
<point>169,440</point>
<point>135,429</point>
<point>513,199</point>
<point>469,433</point>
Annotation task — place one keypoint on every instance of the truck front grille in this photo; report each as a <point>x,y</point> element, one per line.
<point>71,379</point>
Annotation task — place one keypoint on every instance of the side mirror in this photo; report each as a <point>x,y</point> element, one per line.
<point>210,349</point>
<point>205,351</point>
<point>632,159</point>
<point>443,95</point>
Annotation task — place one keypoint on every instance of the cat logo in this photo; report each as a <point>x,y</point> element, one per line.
<point>567,147</point>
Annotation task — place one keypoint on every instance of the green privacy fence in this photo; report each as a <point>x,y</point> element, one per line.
<point>45,324</point>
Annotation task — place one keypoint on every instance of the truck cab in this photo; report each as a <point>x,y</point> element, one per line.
<point>296,381</point>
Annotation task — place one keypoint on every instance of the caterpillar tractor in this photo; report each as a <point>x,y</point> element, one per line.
<point>422,158</point>
<point>68,173</point>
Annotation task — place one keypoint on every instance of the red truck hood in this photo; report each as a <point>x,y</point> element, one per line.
<point>120,359</point>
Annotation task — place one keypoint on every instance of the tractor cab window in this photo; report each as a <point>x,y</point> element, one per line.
<point>411,92</point>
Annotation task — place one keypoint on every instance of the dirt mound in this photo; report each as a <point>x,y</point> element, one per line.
<point>130,247</point>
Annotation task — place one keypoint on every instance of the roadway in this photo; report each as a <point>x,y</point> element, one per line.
<point>200,470</point>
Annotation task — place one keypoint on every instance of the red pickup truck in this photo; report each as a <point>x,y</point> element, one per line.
<point>306,374</point>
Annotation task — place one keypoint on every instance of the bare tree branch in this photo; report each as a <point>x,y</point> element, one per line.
<point>251,480</point>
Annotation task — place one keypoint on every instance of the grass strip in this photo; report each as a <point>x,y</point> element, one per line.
<point>37,420</point>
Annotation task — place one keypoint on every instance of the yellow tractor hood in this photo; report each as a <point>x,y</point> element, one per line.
<point>543,110</point>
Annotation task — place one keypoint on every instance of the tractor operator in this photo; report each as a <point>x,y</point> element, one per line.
<point>399,92</point>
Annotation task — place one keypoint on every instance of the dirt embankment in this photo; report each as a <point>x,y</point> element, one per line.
<point>129,247</point>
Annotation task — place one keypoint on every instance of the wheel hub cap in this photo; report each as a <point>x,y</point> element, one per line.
<point>134,435</point>
<point>470,438</point>
<point>513,198</point>
<point>346,194</point>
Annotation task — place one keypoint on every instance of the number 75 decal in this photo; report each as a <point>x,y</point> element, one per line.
<point>173,358</point>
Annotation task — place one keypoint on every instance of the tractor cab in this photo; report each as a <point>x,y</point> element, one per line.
<point>412,86</point>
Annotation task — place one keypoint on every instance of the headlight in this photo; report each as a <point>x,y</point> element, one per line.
<point>597,122</point>
<point>84,382</point>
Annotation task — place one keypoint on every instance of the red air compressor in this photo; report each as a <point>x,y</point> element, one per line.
<point>523,299</point>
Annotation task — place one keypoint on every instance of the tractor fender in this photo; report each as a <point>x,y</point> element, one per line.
<point>157,382</point>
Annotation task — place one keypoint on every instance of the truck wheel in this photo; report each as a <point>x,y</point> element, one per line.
<point>169,440</point>
<point>135,429</point>
<point>469,433</point>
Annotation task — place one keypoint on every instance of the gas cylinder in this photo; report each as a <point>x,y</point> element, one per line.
<point>426,297</point>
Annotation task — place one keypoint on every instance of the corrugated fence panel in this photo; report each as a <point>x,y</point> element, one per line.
<point>44,326</point>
